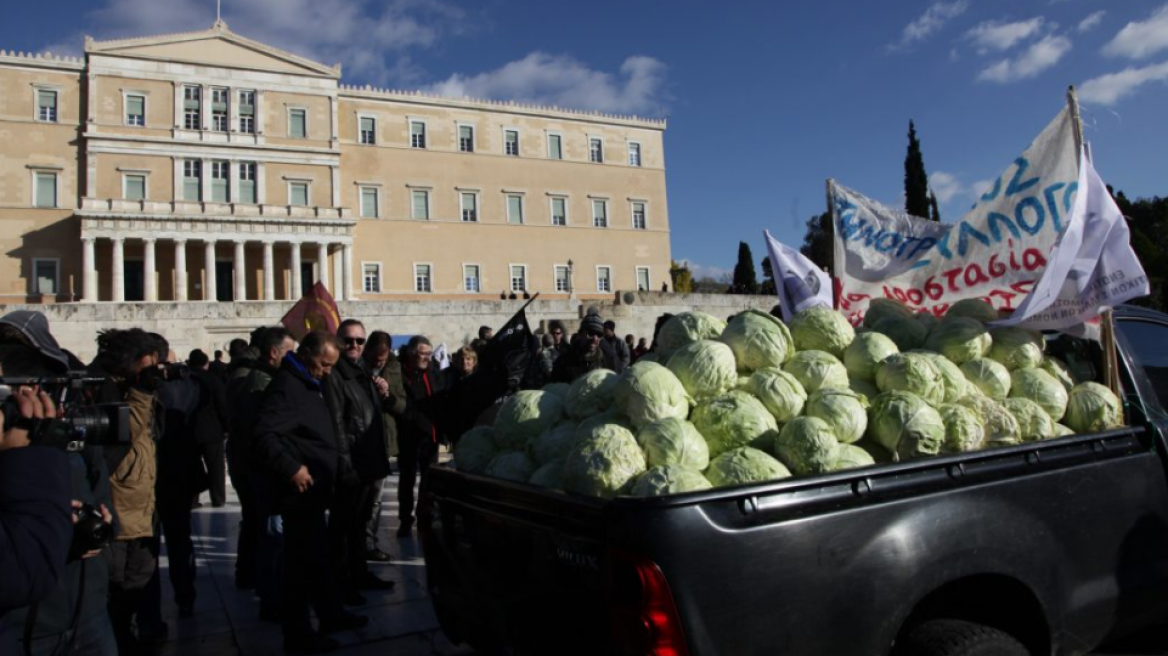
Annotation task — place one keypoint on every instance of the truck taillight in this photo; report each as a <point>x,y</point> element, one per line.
<point>644,617</point>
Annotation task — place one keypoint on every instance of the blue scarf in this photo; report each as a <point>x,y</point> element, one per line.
<point>291,359</point>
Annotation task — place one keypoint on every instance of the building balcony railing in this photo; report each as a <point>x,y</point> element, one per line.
<point>202,208</point>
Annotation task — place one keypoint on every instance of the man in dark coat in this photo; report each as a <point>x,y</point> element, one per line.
<point>385,369</point>
<point>418,427</point>
<point>614,350</point>
<point>209,425</point>
<point>296,441</point>
<point>181,477</point>
<point>584,355</point>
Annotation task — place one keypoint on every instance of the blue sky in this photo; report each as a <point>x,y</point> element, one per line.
<point>765,100</point>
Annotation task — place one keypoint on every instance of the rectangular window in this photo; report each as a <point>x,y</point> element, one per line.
<point>600,214</point>
<point>297,124</point>
<point>247,182</point>
<point>511,142</point>
<point>469,207</point>
<point>555,146</point>
<point>417,134</point>
<point>371,277</point>
<point>643,279</point>
<point>420,204</point>
<point>595,150</point>
<point>466,138</point>
<point>470,278</point>
<point>518,278</point>
<point>638,216</point>
<point>135,187</point>
<point>514,209</point>
<point>220,174</point>
<point>560,211</point>
<point>562,284</point>
<point>603,279</point>
<point>192,180</point>
<point>47,105</point>
<point>247,112</point>
<point>192,108</point>
<point>46,189</point>
<point>369,202</point>
<point>46,275</point>
<point>298,193</point>
<point>219,109</point>
<point>136,110</point>
<point>422,283</point>
<point>368,130</point>
<point>634,154</point>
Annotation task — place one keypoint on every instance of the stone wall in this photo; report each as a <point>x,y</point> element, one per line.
<point>211,326</point>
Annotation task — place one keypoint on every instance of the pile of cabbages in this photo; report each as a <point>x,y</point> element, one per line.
<point>721,404</point>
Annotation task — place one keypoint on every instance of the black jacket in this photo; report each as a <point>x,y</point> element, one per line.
<point>211,420</point>
<point>294,429</point>
<point>425,396</point>
<point>357,420</point>
<point>180,466</point>
<point>575,363</point>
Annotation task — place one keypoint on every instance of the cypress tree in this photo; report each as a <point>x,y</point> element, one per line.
<point>916,181</point>
<point>767,288</point>
<point>744,282</point>
<point>934,210</point>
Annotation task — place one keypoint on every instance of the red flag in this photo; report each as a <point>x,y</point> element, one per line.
<point>316,310</point>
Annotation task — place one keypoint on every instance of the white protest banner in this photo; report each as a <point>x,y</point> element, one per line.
<point>1092,266</point>
<point>801,284</point>
<point>996,251</point>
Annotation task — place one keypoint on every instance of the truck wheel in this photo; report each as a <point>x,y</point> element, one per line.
<point>958,638</point>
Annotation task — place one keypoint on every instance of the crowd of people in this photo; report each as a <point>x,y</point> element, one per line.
<point>308,432</point>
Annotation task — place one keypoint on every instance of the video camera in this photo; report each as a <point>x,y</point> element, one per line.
<point>83,421</point>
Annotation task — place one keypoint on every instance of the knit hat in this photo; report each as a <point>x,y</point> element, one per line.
<point>592,324</point>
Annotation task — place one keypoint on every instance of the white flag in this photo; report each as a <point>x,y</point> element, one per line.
<point>800,283</point>
<point>1091,268</point>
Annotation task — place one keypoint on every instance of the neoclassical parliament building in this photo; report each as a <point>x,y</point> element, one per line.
<point>208,167</point>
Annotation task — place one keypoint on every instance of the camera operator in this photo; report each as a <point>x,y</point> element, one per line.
<point>211,424</point>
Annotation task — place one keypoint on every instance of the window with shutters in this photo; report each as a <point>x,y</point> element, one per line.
<point>134,187</point>
<point>219,109</point>
<point>514,209</point>
<point>511,142</point>
<point>247,112</point>
<point>638,216</point>
<point>417,134</point>
<point>420,204</point>
<point>45,192</point>
<point>518,277</point>
<point>470,206</point>
<point>298,123</point>
<point>192,180</point>
<point>247,182</point>
<point>298,193</point>
<point>559,211</point>
<point>368,130</point>
<point>470,278</point>
<point>135,110</point>
<point>555,146</point>
<point>192,108</point>
<point>46,105</point>
<point>371,277</point>
<point>369,202</point>
<point>600,213</point>
<point>595,150</point>
<point>562,284</point>
<point>642,279</point>
<point>220,174</point>
<point>603,279</point>
<point>466,138</point>
<point>634,153</point>
<point>422,282</point>
<point>46,275</point>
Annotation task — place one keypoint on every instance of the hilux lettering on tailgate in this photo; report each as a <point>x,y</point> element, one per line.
<point>566,555</point>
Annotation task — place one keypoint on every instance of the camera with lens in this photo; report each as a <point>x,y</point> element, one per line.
<point>175,371</point>
<point>91,532</point>
<point>82,421</point>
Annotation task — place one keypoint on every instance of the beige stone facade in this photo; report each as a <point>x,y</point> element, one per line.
<point>208,167</point>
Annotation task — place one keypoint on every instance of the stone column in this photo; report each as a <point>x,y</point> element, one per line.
<point>149,267</point>
<point>119,272</point>
<point>180,269</point>
<point>269,272</point>
<point>322,264</point>
<point>297,282</point>
<point>240,271</point>
<point>210,280</point>
<point>347,274</point>
<point>338,288</point>
<point>89,270</point>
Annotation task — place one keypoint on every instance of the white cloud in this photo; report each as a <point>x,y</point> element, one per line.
<point>1089,23</point>
<point>1036,59</point>
<point>1111,88</point>
<point>708,272</point>
<point>999,37</point>
<point>980,187</point>
<point>1138,40</point>
<point>546,79</point>
<point>934,18</point>
<point>945,186</point>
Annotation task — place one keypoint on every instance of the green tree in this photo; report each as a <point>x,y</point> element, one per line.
<point>745,281</point>
<point>817,241</point>
<point>1148,222</point>
<point>682,278</point>
<point>934,210</point>
<point>767,288</point>
<point>916,181</point>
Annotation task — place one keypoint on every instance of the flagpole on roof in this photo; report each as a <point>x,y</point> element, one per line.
<point>1076,120</point>
<point>835,301</point>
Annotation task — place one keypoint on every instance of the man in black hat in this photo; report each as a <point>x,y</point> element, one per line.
<point>584,354</point>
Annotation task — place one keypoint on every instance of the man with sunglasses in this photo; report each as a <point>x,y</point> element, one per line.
<point>355,407</point>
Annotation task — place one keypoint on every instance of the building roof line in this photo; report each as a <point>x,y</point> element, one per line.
<point>43,58</point>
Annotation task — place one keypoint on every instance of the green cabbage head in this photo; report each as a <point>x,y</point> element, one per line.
<point>1059,370</point>
<point>733,420</point>
<point>475,450</point>
<point>865,354</point>
<point>817,369</point>
<point>669,479</point>
<point>591,394</point>
<point>647,392</point>
<point>852,457</point>
<point>524,416</point>
<point>953,381</point>
<point>960,339</point>
<point>603,464</point>
<point>989,376</point>
<point>1042,388</point>
<point>907,332</point>
<point>1034,423</point>
<point>844,410</point>
<point>511,466</point>
<point>867,388</point>
<point>559,389</point>
<point>912,372</point>
<point>1092,407</point>
<point>807,445</point>
<point>744,465</point>
<point>705,368</point>
<point>1062,431</point>
<point>684,328</point>
<point>779,391</point>
<point>758,340</point>
<point>822,329</point>
<point>927,320</point>
<point>674,441</point>
<point>999,424</point>
<point>882,308</point>
<point>973,308</point>
<point>1017,348</point>
<point>964,429</point>
<point>906,425</point>
<point>591,424</point>
<point>553,444</point>
<point>550,475</point>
